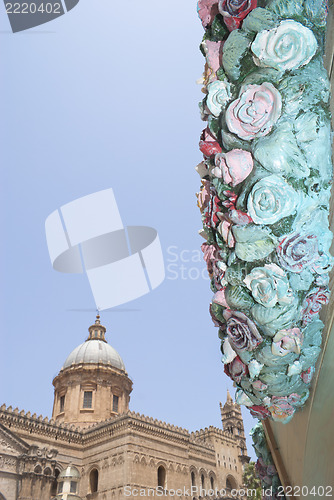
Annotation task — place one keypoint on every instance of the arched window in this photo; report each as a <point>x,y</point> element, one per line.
<point>38,469</point>
<point>212,483</point>
<point>202,481</point>
<point>162,476</point>
<point>192,478</point>
<point>73,487</point>
<point>93,480</point>
<point>115,401</point>
<point>54,484</point>
<point>231,483</point>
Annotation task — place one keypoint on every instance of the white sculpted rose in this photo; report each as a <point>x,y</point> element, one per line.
<point>219,94</point>
<point>271,199</point>
<point>286,47</point>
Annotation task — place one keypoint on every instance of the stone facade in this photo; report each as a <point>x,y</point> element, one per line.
<point>117,452</point>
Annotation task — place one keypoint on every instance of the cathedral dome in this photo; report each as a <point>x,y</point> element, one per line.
<point>95,350</point>
<point>92,385</point>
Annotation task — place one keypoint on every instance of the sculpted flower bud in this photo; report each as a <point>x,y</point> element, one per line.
<point>256,110</point>
<point>213,55</point>
<point>259,412</point>
<point>282,408</point>
<point>208,144</point>
<point>233,167</point>
<point>286,47</point>
<point>225,230</point>
<point>287,341</point>
<point>236,369</point>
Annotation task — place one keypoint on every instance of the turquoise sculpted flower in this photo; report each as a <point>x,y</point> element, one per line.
<point>218,96</point>
<point>286,47</point>
<point>271,199</point>
<point>269,285</point>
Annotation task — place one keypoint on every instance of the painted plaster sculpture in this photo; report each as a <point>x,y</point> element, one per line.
<point>264,198</point>
<point>265,469</point>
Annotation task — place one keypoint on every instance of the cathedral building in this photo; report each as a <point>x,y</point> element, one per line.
<point>94,447</point>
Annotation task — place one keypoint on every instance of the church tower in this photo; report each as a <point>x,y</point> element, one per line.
<point>232,422</point>
<point>92,385</point>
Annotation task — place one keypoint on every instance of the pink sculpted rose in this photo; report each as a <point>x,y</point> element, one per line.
<point>225,230</point>
<point>207,11</point>
<point>219,298</point>
<point>234,11</point>
<point>236,369</point>
<point>256,110</point>
<point>213,55</point>
<point>259,386</point>
<point>233,167</point>
<point>259,412</point>
<point>282,407</point>
<point>210,256</point>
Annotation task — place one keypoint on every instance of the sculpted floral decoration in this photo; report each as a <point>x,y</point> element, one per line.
<point>266,175</point>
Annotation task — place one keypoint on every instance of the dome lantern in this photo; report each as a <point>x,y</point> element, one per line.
<point>97,331</point>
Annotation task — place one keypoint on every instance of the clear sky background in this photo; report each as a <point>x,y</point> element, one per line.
<point>106,96</point>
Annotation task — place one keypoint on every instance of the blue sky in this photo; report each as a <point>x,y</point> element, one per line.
<point>106,96</point>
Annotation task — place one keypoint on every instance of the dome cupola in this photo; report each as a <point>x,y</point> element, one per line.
<point>92,384</point>
<point>95,350</point>
<point>97,331</point>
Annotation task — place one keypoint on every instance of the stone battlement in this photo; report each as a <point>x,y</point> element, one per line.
<point>44,425</point>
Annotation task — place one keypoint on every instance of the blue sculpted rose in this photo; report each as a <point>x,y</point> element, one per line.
<point>286,47</point>
<point>269,285</point>
<point>271,199</point>
<point>218,96</point>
